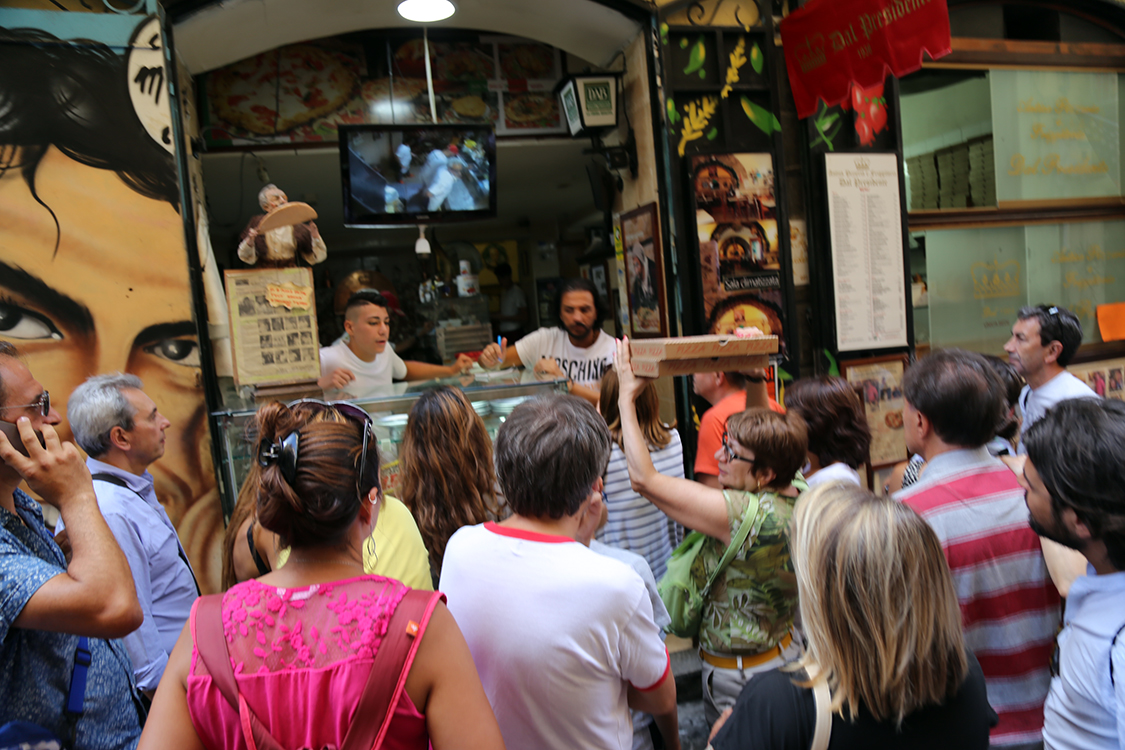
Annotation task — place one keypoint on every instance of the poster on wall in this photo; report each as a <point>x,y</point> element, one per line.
<point>879,382</point>
<point>1105,378</point>
<point>644,272</point>
<point>93,264</point>
<point>739,252</point>
<point>273,326</point>
<point>865,226</point>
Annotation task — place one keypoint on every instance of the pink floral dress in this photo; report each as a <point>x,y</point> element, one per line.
<point>301,658</point>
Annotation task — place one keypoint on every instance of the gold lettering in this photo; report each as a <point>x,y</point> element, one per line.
<point>1063,256</point>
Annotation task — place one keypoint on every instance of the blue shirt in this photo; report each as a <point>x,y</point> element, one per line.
<point>1085,710</point>
<point>164,580</point>
<point>36,665</point>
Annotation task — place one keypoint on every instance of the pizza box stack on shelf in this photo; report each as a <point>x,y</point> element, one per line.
<point>685,355</point>
<point>923,182</point>
<point>953,176</point>
<point>982,173</point>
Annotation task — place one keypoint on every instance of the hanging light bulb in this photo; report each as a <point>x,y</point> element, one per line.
<point>426,11</point>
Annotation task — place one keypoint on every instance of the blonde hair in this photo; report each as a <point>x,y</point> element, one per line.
<point>877,603</point>
<point>656,433</point>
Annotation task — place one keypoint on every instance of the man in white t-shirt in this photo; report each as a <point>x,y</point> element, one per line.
<point>513,305</point>
<point>578,350</point>
<point>1044,340</point>
<point>364,361</point>
<point>563,638</point>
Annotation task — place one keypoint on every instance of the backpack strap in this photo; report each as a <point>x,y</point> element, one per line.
<point>211,643</point>
<point>748,517</point>
<point>1111,646</point>
<point>387,679</point>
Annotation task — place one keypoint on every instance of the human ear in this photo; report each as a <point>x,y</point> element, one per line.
<point>1075,524</point>
<point>118,438</point>
<point>765,477</point>
<point>1054,349</point>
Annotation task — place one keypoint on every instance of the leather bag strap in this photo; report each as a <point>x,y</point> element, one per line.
<point>211,643</point>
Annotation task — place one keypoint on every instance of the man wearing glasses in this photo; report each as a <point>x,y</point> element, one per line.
<point>1044,340</point>
<point>1009,606</point>
<point>122,431</point>
<point>1074,479</point>
<point>60,670</point>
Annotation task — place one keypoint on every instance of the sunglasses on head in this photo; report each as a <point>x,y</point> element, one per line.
<point>285,452</point>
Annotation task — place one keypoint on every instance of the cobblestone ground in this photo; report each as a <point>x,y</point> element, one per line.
<point>693,727</point>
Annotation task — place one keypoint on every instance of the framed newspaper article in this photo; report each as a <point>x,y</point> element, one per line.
<point>273,326</point>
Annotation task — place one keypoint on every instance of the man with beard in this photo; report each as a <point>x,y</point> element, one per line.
<point>1074,477</point>
<point>577,350</point>
<point>955,402</point>
<point>1044,340</point>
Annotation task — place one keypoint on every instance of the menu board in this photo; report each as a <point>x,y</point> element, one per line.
<point>865,223</point>
<point>273,326</point>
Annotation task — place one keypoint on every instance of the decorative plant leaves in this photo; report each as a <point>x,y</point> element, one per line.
<point>697,59</point>
<point>756,59</point>
<point>766,121</point>
<point>697,115</point>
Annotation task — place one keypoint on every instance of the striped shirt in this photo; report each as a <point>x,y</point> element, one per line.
<point>1009,606</point>
<point>634,523</point>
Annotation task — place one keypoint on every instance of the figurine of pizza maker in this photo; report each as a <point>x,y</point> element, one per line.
<point>284,236</point>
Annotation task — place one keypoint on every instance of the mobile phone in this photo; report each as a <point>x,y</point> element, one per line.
<point>13,434</point>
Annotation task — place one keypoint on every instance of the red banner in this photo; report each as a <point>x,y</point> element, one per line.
<point>830,43</point>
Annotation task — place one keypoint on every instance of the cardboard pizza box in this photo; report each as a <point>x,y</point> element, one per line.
<point>655,368</point>
<point>286,215</point>
<point>697,347</point>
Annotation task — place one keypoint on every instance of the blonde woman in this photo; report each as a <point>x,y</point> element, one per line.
<point>884,630</point>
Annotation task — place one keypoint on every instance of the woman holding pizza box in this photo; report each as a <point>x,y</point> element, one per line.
<point>748,612</point>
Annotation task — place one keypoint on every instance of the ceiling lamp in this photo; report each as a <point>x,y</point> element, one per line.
<point>426,11</point>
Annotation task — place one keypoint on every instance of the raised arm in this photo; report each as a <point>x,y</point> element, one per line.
<point>95,597</point>
<point>690,503</point>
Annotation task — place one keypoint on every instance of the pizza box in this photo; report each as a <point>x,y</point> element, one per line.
<point>655,368</point>
<point>696,347</point>
<point>286,215</point>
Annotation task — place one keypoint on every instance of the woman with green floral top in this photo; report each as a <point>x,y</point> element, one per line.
<point>748,614</point>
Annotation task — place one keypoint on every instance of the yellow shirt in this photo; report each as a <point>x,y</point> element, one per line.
<point>399,550</point>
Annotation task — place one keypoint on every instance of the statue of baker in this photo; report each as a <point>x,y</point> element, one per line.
<point>282,237</point>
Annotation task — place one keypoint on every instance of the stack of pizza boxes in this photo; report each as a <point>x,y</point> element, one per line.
<point>689,354</point>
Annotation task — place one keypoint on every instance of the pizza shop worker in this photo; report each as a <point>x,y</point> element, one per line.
<point>577,349</point>
<point>364,361</point>
<point>283,247</point>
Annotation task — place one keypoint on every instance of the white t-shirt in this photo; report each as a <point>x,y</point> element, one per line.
<point>380,371</point>
<point>557,633</point>
<point>511,302</point>
<point>583,366</point>
<point>1035,403</point>
<point>833,472</point>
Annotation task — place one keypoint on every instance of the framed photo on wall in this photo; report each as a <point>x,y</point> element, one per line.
<point>644,272</point>
<point>879,383</point>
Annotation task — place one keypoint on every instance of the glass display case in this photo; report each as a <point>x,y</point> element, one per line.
<point>493,395</point>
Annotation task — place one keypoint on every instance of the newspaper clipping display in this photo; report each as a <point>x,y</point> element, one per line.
<point>880,387</point>
<point>273,326</point>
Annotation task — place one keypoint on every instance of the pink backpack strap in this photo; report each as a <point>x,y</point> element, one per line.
<point>396,653</point>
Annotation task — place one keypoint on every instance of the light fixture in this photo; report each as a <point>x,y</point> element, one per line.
<point>426,11</point>
<point>421,245</point>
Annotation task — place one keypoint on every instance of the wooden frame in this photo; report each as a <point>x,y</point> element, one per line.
<point>640,230</point>
<point>879,380</point>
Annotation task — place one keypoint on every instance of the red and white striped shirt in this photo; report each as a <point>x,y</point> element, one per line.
<point>1009,606</point>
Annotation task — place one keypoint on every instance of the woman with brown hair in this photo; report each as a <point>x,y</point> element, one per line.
<point>839,436</point>
<point>294,653</point>
<point>884,635</point>
<point>634,523</point>
<point>448,479</point>
<point>748,612</point>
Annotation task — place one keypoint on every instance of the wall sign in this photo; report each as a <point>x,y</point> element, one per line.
<point>273,326</point>
<point>879,382</point>
<point>865,225</point>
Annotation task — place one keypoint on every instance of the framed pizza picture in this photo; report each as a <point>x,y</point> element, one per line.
<point>644,272</point>
<point>879,383</point>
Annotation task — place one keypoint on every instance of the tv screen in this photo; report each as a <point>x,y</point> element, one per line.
<point>417,174</point>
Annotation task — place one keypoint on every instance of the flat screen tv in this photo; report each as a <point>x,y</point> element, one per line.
<point>417,174</point>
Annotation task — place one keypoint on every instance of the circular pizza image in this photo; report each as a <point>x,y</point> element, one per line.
<point>531,110</point>
<point>282,89</point>
<point>893,420</point>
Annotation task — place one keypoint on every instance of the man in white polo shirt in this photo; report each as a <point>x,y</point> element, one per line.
<point>364,361</point>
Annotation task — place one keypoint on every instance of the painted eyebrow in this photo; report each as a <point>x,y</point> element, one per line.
<point>161,331</point>
<point>56,304</point>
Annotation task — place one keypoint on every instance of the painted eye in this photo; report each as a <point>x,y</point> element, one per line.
<point>181,351</point>
<point>20,323</point>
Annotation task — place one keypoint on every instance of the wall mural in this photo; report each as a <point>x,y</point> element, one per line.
<point>93,265</point>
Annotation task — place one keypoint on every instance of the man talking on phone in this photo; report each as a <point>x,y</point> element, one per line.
<point>62,671</point>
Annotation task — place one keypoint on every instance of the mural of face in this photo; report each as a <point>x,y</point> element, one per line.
<point>113,297</point>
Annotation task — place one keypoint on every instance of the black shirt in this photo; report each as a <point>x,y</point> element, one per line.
<point>774,714</point>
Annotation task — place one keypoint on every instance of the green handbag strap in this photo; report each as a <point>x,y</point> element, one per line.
<point>748,517</point>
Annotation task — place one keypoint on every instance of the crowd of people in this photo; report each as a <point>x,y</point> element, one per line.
<point>508,596</point>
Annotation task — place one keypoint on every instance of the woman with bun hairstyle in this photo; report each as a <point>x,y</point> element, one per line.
<point>448,479</point>
<point>302,639</point>
<point>884,636</point>
<point>839,436</point>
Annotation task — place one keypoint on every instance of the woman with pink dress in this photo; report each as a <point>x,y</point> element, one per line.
<point>301,641</point>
